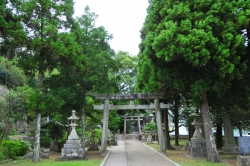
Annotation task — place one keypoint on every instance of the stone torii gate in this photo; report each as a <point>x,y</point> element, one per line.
<point>130,96</point>
<point>131,118</point>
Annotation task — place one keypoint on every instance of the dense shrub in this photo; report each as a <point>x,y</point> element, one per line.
<point>15,148</point>
<point>150,126</point>
<point>98,135</point>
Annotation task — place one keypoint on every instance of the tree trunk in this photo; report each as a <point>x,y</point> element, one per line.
<point>36,156</point>
<point>212,154</point>
<point>240,131</point>
<point>191,128</point>
<point>219,139</point>
<point>2,136</point>
<point>168,145</point>
<point>161,136</point>
<point>83,137</point>
<point>176,119</point>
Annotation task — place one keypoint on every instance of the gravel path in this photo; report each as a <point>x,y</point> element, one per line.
<point>137,154</point>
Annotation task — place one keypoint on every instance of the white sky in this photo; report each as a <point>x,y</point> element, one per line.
<point>122,18</point>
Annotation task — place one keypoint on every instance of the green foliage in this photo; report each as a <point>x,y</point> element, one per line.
<point>3,153</point>
<point>127,71</point>
<point>193,48</point>
<point>45,141</point>
<point>15,148</point>
<point>13,106</point>
<point>184,49</point>
<point>150,126</point>
<point>10,75</point>
<point>98,134</point>
<point>128,127</point>
<point>11,30</point>
<point>114,121</point>
<point>198,49</point>
<point>56,131</point>
<point>93,120</point>
<point>100,66</point>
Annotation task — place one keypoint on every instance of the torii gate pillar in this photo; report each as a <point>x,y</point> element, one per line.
<point>124,130</point>
<point>161,137</point>
<point>139,125</point>
<point>105,128</point>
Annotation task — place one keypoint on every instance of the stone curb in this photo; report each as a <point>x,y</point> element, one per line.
<point>162,155</point>
<point>105,159</point>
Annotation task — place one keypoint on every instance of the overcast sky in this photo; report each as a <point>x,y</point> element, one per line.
<point>122,18</point>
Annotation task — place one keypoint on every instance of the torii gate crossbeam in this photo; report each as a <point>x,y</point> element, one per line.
<point>131,96</point>
<point>128,107</point>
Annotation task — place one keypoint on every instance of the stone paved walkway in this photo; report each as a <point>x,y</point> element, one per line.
<point>138,154</point>
<point>131,152</point>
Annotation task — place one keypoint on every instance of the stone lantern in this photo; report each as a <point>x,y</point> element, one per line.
<point>197,144</point>
<point>72,149</point>
<point>73,135</point>
<point>197,125</point>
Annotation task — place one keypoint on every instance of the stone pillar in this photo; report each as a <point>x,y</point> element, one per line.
<point>229,144</point>
<point>139,125</point>
<point>105,128</point>
<point>124,131</point>
<point>161,137</point>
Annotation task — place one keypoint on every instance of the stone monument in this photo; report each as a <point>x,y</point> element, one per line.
<point>229,145</point>
<point>150,138</point>
<point>73,148</point>
<point>93,145</point>
<point>244,148</point>
<point>197,145</point>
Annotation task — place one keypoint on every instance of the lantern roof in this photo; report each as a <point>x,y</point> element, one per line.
<point>73,117</point>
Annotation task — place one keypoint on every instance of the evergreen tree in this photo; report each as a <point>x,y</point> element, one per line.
<point>127,71</point>
<point>11,30</point>
<point>45,23</point>
<point>69,85</point>
<point>101,65</point>
<point>197,47</point>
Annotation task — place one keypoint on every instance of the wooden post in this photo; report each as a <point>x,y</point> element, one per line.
<point>105,128</point>
<point>161,137</point>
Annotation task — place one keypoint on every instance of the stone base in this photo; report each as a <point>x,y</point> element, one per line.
<point>230,150</point>
<point>72,150</point>
<point>242,160</point>
<point>197,148</point>
<point>71,158</point>
<point>41,155</point>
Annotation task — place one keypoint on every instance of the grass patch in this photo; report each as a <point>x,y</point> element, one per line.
<point>93,159</point>
<point>51,162</point>
<point>179,156</point>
